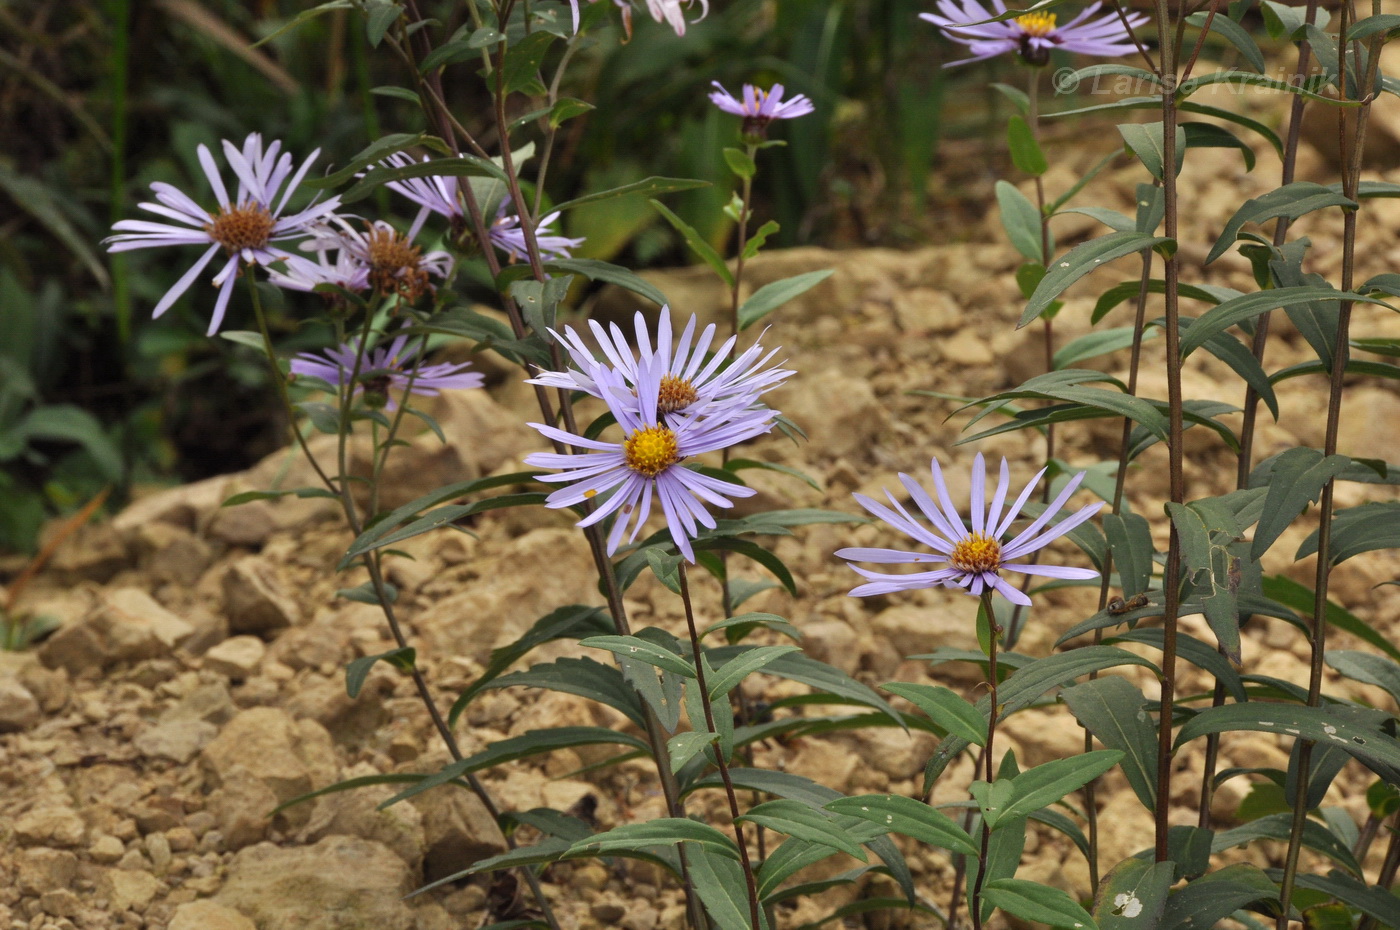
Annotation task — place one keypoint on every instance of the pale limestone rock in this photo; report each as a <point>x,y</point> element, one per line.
<point>42,869</point>
<point>106,849</point>
<point>235,658</point>
<point>355,813</point>
<point>242,806</point>
<point>834,642</point>
<point>51,825</point>
<point>127,890</point>
<point>208,915</point>
<point>179,740</point>
<point>96,551</point>
<point>341,883</point>
<point>172,553</point>
<point>49,686</point>
<point>181,506</point>
<point>248,524</point>
<point>254,600</point>
<point>19,710</point>
<point>273,747</point>
<point>458,830</point>
<point>918,630</point>
<point>840,413</point>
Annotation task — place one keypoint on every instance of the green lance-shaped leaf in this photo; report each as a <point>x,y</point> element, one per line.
<point>1133,895</point>
<point>728,675</point>
<point>357,671</point>
<point>686,746</point>
<point>582,676</point>
<point>460,166</point>
<point>634,647</point>
<point>1365,734</point>
<point>1365,28</point>
<point>1291,200</point>
<point>1359,529</point>
<point>595,270</point>
<point>1025,151</point>
<point>1241,309</point>
<point>1052,781</point>
<point>1008,844</point>
<point>1279,827</point>
<point>1209,563</point>
<point>696,242</point>
<point>773,295</point>
<point>1367,668</point>
<point>1295,481</point>
<point>1037,902</point>
<point>1099,342</point>
<point>1211,136</point>
<point>1115,711</point>
<point>1289,593</point>
<point>648,187</point>
<point>1191,650</point>
<point>1079,261</point>
<point>720,883</point>
<point>367,593</point>
<point>945,708</point>
<point>434,520</point>
<point>1207,900</point>
<point>1021,220</point>
<point>1128,290</point>
<point>1282,21</point>
<point>67,423</point>
<point>1145,141</point>
<point>1234,33</point>
<point>1130,541</point>
<point>664,831</point>
<point>1372,900</point>
<point>1315,319</point>
<point>794,818</point>
<point>908,817</point>
<point>795,666</point>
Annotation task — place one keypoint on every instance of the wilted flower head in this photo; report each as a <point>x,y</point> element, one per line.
<point>245,227</point>
<point>759,107</point>
<point>691,384</point>
<point>624,476</point>
<point>382,368</point>
<point>669,11</point>
<point>1033,35</point>
<point>507,235</point>
<point>974,559</point>
<point>392,263</point>
<point>302,274</point>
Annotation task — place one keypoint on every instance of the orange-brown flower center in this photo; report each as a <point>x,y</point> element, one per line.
<point>675,394</point>
<point>246,226</point>
<point>1037,24</point>
<point>976,553</point>
<point>395,264</point>
<point>651,450</point>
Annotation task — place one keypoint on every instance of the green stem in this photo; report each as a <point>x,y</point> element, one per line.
<point>720,761</point>
<point>742,237</point>
<point>975,905</point>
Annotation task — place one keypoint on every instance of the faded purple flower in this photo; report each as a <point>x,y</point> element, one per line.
<point>1033,35</point>
<point>507,235</point>
<point>244,227</point>
<point>432,194</point>
<point>384,367</point>
<point>973,560</point>
<point>625,476</point>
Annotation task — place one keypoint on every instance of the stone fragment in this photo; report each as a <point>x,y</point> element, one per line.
<point>60,902</point>
<point>915,630</point>
<point>341,883</point>
<point>247,524</point>
<point>106,849</point>
<point>19,709</point>
<point>355,813</point>
<point>97,551</point>
<point>208,915</point>
<point>172,553</point>
<point>254,600</point>
<point>49,686</point>
<point>271,746</point>
<point>181,506</point>
<point>52,825</point>
<point>128,890</point>
<point>42,869</point>
<point>235,658</point>
<point>839,412</point>
<point>127,625</point>
<point>241,807</point>
<point>179,740</point>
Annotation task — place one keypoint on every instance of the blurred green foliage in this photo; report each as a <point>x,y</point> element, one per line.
<point>101,97</point>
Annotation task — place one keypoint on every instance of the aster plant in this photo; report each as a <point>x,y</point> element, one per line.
<point>246,227</point>
<point>383,368</point>
<point>760,107</point>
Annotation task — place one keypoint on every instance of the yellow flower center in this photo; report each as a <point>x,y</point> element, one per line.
<point>1037,24</point>
<point>675,394</point>
<point>976,553</point>
<point>394,264</point>
<point>246,226</point>
<point>651,450</point>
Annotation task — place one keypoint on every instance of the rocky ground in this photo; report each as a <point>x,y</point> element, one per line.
<point>197,679</point>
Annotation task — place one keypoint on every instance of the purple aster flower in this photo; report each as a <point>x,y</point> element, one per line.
<point>626,475</point>
<point>1033,35</point>
<point>432,194</point>
<point>507,235</point>
<point>302,274</point>
<point>384,367</point>
<point>691,384</point>
<point>974,559</point>
<point>759,107</point>
<point>244,227</point>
